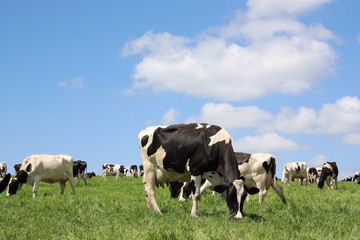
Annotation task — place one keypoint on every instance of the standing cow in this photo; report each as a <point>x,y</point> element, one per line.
<point>79,171</point>
<point>45,168</point>
<point>312,175</point>
<point>133,171</point>
<point>188,153</point>
<point>294,170</point>
<point>113,170</point>
<point>329,172</point>
<point>3,170</point>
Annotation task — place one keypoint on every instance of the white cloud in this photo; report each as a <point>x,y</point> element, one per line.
<point>248,58</point>
<point>266,143</point>
<point>352,138</point>
<point>76,83</point>
<point>317,160</point>
<point>170,116</point>
<point>228,116</point>
<point>358,39</point>
<point>342,117</point>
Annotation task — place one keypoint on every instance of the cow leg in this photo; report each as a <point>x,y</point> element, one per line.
<point>78,179</point>
<point>328,182</point>
<point>335,179</point>
<point>241,195</point>
<point>35,186</point>
<point>181,198</point>
<point>149,183</point>
<point>84,176</point>
<point>196,195</point>
<point>62,187</point>
<point>278,189</point>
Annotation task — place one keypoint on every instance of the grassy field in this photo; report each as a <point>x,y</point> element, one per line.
<point>116,210</point>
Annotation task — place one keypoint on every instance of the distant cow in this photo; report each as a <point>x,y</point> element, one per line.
<point>294,170</point>
<point>45,168</point>
<point>133,171</point>
<point>4,182</point>
<point>90,175</point>
<point>79,171</point>
<point>329,172</point>
<point>312,175</point>
<point>3,170</point>
<point>113,170</point>
<point>141,170</point>
<point>188,153</point>
<point>17,168</point>
<point>357,177</point>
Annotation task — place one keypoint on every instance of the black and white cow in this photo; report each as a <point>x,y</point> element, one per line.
<point>45,168</point>
<point>141,170</point>
<point>17,168</point>
<point>79,171</point>
<point>329,172</point>
<point>113,170</point>
<point>357,177</point>
<point>133,171</point>
<point>90,175</point>
<point>3,170</point>
<point>188,153</point>
<point>4,182</point>
<point>312,175</point>
<point>294,170</point>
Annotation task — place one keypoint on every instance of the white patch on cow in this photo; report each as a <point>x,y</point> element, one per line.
<point>199,126</point>
<point>295,170</point>
<point>220,136</point>
<point>239,185</point>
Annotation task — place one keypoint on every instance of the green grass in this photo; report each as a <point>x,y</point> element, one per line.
<point>116,210</point>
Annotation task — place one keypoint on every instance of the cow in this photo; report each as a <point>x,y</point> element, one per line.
<point>79,171</point>
<point>259,170</point>
<point>3,170</point>
<point>90,175</point>
<point>133,171</point>
<point>357,177</point>
<point>188,153</point>
<point>312,175</point>
<point>45,168</point>
<point>113,170</point>
<point>294,170</point>
<point>141,170</point>
<point>17,168</point>
<point>329,172</point>
<point>4,182</point>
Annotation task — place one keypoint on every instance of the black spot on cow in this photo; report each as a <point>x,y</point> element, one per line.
<point>4,182</point>
<point>242,158</point>
<point>144,140</point>
<point>29,168</point>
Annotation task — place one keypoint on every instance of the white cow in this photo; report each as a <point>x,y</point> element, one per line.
<point>113,170</point>
<point>3,170</point>
<point>45,168</point>
<point>259,170</point>
<point>294,170</point>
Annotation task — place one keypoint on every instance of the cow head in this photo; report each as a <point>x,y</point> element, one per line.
<point>16,183</point>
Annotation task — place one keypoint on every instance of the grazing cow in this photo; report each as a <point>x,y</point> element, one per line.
<point>45,168</point>
<point>113,170</point>
<point>295,170</point>
<point>133,171</point>
<point>312,175</point>
<point>17,168</point>
<point>329,172</point>
<point>90,175</point>
<point>79,170</point>
<point>4,182</point>
<point>141,170</point>
<point>188,153</point>
<point>3,170</point>
<point>259,169</point>
<point>357,177</point>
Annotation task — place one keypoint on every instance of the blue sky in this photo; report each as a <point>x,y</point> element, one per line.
<point>85,77</point>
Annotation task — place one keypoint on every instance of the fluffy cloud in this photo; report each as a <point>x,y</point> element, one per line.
<point>228,116</point>
<point>317,160</point>
<point>266,143</point>
<point>170,116</point>
<point>76,83</point>
<point>343,117</point>
<point>257,53</point>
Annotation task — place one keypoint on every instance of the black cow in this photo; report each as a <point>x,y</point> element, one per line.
<point>79,171</point>
<point>329,171</point>
<point>90,175</point>
<point>17,168</point>
<point>312,175</point>
<point>133,171</point>
<point>188,153</point>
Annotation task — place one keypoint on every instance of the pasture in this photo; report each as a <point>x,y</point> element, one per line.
<point>116,210</point>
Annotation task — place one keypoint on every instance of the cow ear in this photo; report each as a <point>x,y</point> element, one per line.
<point>251,190</point>
<point>221,188</point>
